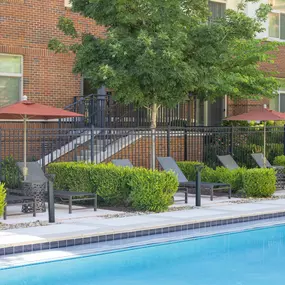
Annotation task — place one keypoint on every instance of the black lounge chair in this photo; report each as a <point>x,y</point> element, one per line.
<point>228,162</point>
<point>259,159</point>
<point>36,173</point>
<point>122,162</point>
<point>280,177</point>
<point>14,199</point>
<point>169,164</point>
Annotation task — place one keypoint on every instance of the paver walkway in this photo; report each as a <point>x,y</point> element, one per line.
<point>86,222</point>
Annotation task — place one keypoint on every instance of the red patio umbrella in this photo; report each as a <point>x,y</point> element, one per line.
<point>25,110</point>
<point>260,115</point>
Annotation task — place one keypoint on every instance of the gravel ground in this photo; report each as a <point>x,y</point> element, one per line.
<point>22,225</point>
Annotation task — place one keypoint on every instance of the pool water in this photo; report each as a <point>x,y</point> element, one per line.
<point>255,257</point>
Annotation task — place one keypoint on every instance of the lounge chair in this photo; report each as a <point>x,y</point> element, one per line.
<point>169,164</point>
<point>228,161</point>
<point>259,159</point>
<point>36,173</point>
<point>14,199</point>
<point>122,162</point>
<point>280,177</point>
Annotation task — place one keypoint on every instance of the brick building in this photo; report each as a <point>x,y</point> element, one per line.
<point>274,30</point>
<point>27,67</point>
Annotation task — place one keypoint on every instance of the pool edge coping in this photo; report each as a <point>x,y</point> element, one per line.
<point>112,235</point>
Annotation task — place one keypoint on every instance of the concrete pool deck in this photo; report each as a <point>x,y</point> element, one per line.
<point>85,223</point>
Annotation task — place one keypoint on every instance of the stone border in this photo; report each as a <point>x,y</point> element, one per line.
<point>133,234</point>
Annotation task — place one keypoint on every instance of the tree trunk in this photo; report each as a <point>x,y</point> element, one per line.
<point>153,125</point>
<point>154,110</point>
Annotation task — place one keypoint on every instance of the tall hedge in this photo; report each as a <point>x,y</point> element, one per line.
<point>140,188</point>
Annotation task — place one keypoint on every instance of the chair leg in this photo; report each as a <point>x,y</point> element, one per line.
<point>186,195</point>
<point>70,205</point>
<point>34,208</point>
<point>212,194</point>
<point>230,192</point>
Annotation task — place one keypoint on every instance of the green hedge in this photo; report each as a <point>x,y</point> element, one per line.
<point>279,160</point>
<point>10,173</point>
<point>2,198</point>
<point>259,182</point>
<point>140,188</point>
<point>236,178</point>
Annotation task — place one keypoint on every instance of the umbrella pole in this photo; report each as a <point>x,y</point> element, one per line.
<point>264,146</point>
<point>25,169</point>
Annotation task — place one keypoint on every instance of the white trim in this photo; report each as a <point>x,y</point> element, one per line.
<point>67,4</point>
<point>279,12</point>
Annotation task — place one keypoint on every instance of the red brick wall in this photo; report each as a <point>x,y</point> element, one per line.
<point>26,26</point>
<point>279,63</point>
<point>139,152</point>
<point>242,106</point>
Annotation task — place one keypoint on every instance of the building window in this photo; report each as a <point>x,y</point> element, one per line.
<point>217,9</point>
<point>278,103</point>
<point>277,19</point>
<point>11,76</point>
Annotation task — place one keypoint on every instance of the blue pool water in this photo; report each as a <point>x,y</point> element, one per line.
<point>254,257</point>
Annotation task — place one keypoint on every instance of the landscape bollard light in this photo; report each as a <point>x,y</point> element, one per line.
<point>198,169</point>
<point>51,210</point>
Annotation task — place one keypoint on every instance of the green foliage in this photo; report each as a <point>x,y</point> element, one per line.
<point>152,191</point>
<point>188,168</point>
<point>140,188</point>
<point>279,160</point>
<point>10,173</point>
<point>2,198</point>
<point>259,182</point>
<point>264,178</point>
<point>156,52</point>
<point>220,174</point>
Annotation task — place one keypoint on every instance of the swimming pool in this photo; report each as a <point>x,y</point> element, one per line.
<point>254,257</point>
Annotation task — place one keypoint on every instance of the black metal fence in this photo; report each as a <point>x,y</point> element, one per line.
<point>102,111</point>
<point>100,145</point>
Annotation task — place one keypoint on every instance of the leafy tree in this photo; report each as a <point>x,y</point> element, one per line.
<point>158,51</point>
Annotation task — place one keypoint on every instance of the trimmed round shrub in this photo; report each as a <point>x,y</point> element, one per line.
<point>259,182</point>
<point>279,160</point>
<point>152,191</point>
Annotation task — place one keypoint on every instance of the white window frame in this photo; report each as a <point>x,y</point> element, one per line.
<point>279,99</point>
<point>279,15</point>
<point>17,75</point>
<point>67,3</point>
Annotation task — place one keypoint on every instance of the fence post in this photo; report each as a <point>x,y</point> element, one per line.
<point>153,143</point>
<point>75,152</point>
<point>92,144</point>
<point>185,144</point>
<point>168,140</point>
<point>284,141</point>
<point>232,141</point>
<point>43,157</point>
